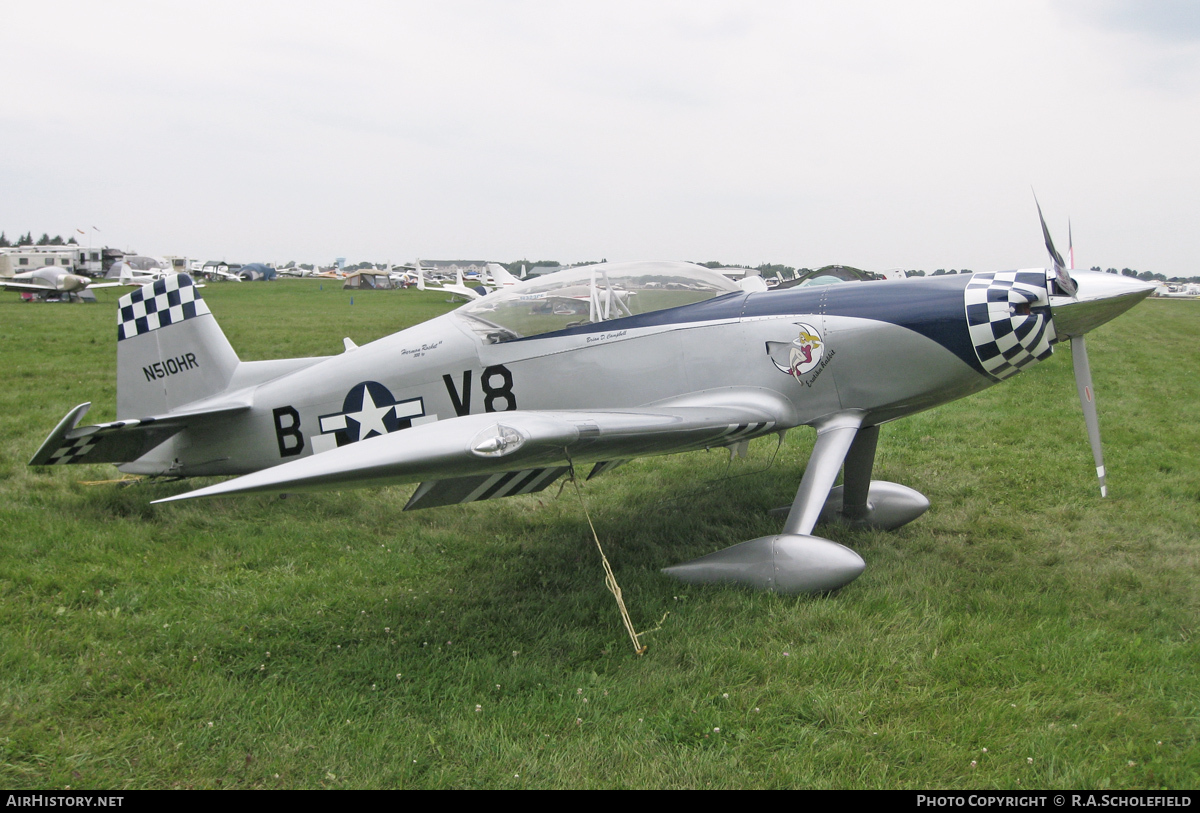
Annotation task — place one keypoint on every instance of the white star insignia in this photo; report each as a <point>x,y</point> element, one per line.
<point>370,418</point>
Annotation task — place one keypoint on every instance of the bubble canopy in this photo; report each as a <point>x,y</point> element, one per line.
<point>590,294</point>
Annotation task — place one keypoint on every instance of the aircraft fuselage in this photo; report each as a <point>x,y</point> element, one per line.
<point>887,348</point>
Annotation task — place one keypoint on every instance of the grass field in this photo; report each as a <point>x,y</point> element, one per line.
<point>1023,633</point>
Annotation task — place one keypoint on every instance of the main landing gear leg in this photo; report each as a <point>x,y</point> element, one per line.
<point>794,561</point>
<point>863,502</point>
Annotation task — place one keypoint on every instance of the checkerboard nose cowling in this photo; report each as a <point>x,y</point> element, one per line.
<point>1008,315</point>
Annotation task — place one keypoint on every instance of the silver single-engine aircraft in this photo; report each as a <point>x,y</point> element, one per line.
<point>503,395</point>
<point>54,282</point>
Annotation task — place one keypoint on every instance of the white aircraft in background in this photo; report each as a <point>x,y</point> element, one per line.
<point>125,274</point>
<point>137,269</point>
<point>138,274</point>
<point>499,276</point>
<point>458,287</point>
<point>296,271</point>
<point>1177,291</point>
<point>405,274</point>
<point>220,273</point>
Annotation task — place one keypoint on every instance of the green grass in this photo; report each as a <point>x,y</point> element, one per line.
<point>333,640</point>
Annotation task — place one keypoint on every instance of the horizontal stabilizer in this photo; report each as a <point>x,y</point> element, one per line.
<point>115,442</point>
<point>434,493</point>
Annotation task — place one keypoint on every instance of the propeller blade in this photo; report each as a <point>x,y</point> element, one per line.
<point>1087,399</point>
<point>1065,283</point>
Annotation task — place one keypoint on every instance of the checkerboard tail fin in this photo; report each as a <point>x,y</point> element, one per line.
<point>170,350</point>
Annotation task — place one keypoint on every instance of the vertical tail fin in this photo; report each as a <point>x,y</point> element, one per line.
<point>500,275</point>
<point>170,350</point>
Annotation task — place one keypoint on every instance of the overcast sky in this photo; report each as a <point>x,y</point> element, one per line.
<point>876,134</point>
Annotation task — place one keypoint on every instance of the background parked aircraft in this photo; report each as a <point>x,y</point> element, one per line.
<point>54,283</point>
<point>499,277</point>
<point>138,269</point>
<point>257,272</point>
<point>458,287</point>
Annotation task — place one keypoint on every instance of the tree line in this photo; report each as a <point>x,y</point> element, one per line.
<point>26,239</point>
<point>787,272</point>
<point>765,269</point>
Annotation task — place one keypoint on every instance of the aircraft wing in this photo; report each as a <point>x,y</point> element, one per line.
<point>459,290</point>
<point>519,441</point>
<point>114,442</point>
<point>9,285</point>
